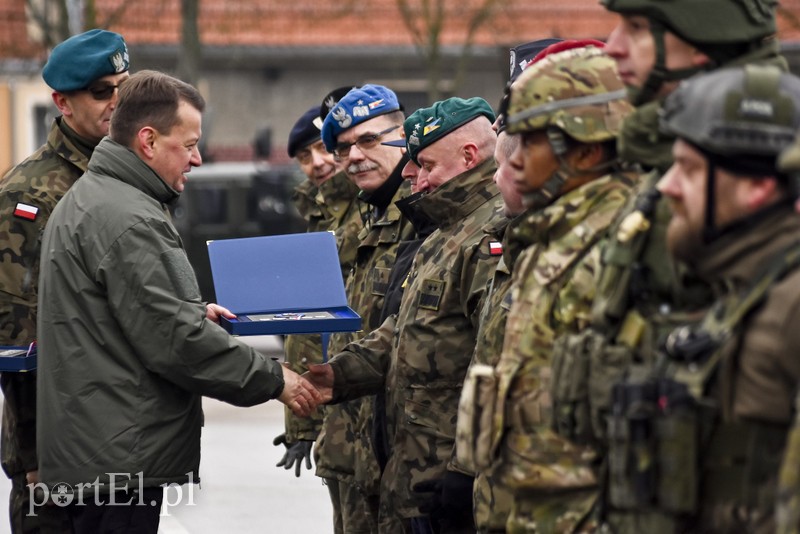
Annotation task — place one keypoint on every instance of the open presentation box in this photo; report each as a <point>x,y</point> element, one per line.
<point>283,284</point>
<point>17,359</point>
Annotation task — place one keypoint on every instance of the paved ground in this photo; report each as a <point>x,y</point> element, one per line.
<point>241,490</point>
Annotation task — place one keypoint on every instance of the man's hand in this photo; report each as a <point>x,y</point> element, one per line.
<point>321,376</point>
<point>215,311</point>
<point>298,393</point>
<point>295,454</point>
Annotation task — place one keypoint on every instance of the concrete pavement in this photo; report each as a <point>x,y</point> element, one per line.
<point>241,489</point>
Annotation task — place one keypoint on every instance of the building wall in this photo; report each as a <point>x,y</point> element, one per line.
<point>21,97</point>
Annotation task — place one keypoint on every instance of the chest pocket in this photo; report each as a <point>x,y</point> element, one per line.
<point>430,297</point>
<point>379,281</point>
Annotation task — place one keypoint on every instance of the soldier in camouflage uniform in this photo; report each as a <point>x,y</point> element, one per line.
<point>701,441</point>
<point>352,131</point>
<point>419,356</point>
<point>490,503</point>
<point>567,109</point>
<point>641,295</point>
<point>327,200</point>
<point>84,72</point>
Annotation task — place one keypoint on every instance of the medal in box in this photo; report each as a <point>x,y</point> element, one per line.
<point>283,284</point>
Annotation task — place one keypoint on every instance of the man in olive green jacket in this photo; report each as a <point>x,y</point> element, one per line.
<point>127,348</point>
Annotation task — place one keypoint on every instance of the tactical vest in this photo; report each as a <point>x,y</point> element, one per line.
<point>669,450</point>
<point>639,301</point>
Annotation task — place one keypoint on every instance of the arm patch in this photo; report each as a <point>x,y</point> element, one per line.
<point>181,274</point>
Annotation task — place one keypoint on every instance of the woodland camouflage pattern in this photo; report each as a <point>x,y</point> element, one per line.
<point>421,356</point>
<point>553,288</point>
<point>41,180</point>
<point>333,206</point>
<point>344,450</point>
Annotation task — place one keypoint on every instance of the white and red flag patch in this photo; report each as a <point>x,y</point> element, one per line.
<point>26,211</point>
<point>495,248</point>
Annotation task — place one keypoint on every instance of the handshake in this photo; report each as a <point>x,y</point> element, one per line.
<point>303,393</point>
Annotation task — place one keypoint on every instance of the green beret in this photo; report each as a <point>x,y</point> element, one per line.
<point>83,58</point>
<point>427,125</point>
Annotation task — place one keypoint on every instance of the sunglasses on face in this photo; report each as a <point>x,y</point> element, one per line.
<point>365,142</point>
<point>102,90</point>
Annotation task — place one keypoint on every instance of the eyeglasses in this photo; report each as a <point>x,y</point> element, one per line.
<point>365,142</point>
<point>102,90</point>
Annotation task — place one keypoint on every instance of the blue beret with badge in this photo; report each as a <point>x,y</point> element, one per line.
<point>427,125</point>
<point>358,105</point>
<point>83,58</point>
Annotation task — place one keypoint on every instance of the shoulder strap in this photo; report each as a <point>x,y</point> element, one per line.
<point>700,345</point>
<point>620,256</point>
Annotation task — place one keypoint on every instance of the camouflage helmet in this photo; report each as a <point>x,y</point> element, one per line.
<point>577,91</point>
<point>701,22</point>
<point>736,113</point>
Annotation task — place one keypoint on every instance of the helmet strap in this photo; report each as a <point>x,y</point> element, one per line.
<point>710,231</point>
<point>659,74</point>
<point>551,189</point>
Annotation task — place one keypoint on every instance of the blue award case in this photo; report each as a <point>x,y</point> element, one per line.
<point>17,359</point>
<point>283,284</point>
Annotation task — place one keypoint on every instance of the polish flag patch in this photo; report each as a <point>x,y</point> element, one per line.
<point>26,211</point>
<point>495,248</point>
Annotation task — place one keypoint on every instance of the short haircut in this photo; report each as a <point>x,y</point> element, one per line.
<point>508,144</point>
<point>150,98</point>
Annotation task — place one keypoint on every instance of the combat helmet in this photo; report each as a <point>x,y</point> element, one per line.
<point>573,94</point>
<point>721,29</point>
<point>741,119</point>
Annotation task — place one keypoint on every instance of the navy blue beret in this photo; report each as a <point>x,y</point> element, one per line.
<point>83,58</point>
<point>304,132</point>
<point>358,105</point>
<point>521,55</point>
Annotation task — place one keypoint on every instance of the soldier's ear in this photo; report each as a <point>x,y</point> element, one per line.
<point>588,155</point>
<point>757,193</point>
<point>145,142</point>
<point>470,153</point>
<point>62,103</point>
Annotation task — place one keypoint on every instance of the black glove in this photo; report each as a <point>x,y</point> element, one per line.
<point>295,453</point>
<point>450,503</point>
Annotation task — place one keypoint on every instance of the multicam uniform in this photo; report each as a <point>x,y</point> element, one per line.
<point>719,398</point>
<point>641,293</point>
<point>713,462</point>
<point>344,455</point>
<point>421,355</point>
<point>39,181</point>
<point>332,206</point>
<point>553,288</point>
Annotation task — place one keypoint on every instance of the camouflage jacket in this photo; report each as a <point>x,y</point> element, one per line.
<point>421,355</point>
<point>756,382</point>
<point>552,290</point>
<point>303,198</point>
<point>335,208</point>
<point>344,451</point>
<point>39,181</point>
<point>491,504</point>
